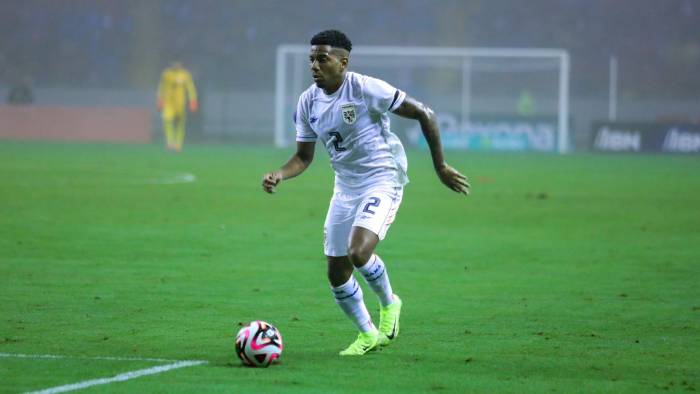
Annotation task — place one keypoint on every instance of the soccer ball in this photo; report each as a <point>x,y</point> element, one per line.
<point>258,344</point>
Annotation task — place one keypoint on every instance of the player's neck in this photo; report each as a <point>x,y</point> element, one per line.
<point>335,86</point>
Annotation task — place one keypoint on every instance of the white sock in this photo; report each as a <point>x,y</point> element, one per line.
<point>377,278</point>
<point>349,298</point>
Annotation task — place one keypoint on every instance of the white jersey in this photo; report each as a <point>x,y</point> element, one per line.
<point>353,124</point>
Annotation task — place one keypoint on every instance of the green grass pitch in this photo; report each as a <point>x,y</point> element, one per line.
<point>576,273</point>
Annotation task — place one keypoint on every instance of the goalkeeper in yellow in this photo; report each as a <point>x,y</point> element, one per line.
<point>174,91</point>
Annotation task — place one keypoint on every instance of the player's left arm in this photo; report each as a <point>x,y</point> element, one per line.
<point>191,93</point>
<point>413,109</point>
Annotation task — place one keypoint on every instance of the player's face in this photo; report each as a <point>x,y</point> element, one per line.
<point>327,66</point>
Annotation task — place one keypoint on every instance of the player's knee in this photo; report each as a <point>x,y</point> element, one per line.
<point>358,255</point>
<point>339,271</point>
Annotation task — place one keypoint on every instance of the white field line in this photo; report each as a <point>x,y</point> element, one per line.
<point>55,356</point>
<point>184,177</point>
<point>118,378</point>
<point>175,364</point>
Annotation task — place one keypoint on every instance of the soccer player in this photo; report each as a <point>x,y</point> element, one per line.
<point>174,91</point>
<point>348,113</point>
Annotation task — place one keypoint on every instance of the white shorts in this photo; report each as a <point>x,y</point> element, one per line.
<point>374,209</point>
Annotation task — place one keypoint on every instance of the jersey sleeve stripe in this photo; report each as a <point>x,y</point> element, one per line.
<point>396,96</point>
<point>399,97</point>
<point>306,139</point>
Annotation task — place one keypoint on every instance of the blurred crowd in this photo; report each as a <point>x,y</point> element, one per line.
<point>231,44</point>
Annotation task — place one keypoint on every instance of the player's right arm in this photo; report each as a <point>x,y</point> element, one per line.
<point>299,162</point>
<point>160,94</point>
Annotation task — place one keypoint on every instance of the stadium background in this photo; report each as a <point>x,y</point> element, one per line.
<point>559,273</point>
<point>110,53</point>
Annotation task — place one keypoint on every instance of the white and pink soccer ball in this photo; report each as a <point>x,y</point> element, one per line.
<point>258,344</point>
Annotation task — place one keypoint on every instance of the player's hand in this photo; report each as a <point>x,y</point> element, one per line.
<point>194,105</point>
<point>453,179</point>
<point>159,104</point>
<point>271,180</point>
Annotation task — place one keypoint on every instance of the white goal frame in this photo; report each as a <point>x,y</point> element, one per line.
<point>464,53</point>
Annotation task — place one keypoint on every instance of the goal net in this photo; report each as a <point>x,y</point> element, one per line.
<point>492,99</point>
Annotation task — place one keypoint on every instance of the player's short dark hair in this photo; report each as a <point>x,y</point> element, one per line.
<point>334,38</point>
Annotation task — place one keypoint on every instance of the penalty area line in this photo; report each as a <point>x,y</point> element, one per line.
<point>119,378</point>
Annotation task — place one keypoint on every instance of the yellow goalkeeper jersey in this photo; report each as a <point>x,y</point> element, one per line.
<point>175,86</point>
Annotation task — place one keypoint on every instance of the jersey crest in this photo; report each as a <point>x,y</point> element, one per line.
<point>349,114</point>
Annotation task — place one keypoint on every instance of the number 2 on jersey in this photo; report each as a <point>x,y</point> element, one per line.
<point>336,142</point>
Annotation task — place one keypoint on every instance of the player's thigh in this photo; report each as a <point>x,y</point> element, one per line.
<point>339,219</point>
<point>377,210</point>
<point>168,114</point>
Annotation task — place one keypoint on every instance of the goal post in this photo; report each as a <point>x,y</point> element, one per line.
<point>471,84</point>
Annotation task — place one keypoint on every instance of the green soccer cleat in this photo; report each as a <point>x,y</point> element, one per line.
<point>389,322</point>
<point>365,342</point>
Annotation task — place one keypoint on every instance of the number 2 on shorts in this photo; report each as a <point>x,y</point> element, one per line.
<point>374,202</point>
